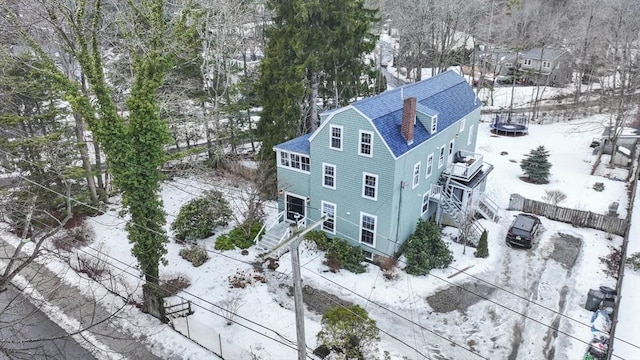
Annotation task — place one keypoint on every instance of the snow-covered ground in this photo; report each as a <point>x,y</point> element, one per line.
<point>517,297</point>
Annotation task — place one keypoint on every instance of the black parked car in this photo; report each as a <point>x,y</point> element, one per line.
<point>523,230</point>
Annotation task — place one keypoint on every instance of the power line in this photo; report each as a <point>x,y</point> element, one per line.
<point>348,221</point>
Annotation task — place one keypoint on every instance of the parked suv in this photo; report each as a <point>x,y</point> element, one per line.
<point>523,230</point>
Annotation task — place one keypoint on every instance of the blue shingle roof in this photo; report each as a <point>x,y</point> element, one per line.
<point>448,95</point>
<point>299,145</point>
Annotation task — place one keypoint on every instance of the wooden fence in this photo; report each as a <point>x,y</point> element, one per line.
<point>575,217</point>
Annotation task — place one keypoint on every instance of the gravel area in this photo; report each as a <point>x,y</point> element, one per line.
<point>565,249</point>
<point>320,301</point>
<point>459,297</point>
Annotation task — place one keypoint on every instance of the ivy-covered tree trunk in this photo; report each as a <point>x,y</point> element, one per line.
<point>133,141</point>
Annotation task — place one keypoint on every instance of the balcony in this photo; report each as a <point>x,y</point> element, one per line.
<point>465,166</point>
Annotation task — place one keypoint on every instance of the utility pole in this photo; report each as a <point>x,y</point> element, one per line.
<point>293,242</point>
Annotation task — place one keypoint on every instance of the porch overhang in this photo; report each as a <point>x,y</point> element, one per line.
<point>479,176</point>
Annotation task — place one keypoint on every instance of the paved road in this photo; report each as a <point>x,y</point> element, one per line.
<point>103,325</point>
<point>20,320</point>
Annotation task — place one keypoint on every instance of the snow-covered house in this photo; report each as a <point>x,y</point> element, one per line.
<point>378,165</point>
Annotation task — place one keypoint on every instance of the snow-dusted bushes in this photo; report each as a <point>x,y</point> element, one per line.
<point>199,217</point>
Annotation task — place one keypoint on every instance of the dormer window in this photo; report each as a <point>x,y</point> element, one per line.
<point>546,64</point>
<point>434,124</point>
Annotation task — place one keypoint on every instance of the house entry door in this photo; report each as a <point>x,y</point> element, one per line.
<point>295,207</point>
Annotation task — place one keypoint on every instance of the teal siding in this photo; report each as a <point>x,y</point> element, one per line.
<point>349,172</point>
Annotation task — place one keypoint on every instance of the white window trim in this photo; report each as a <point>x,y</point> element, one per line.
<point>429,169</point>
<point>375,226</point>
<point>331,127</point>
<point>335,171</point>
<point>526,62</point>
<point>335,207</point>
<point>360,143</point>
<point>426,196</point>
<point>364,186</point>
<point>451,150</point>
<point>368,255</point>
<point>416,175</point>
<point>470,138</point>
<point>434,124</point>
<point>441,156</point>
<point>462,123</point>
<point>546,64</point>
<point>289,162</point>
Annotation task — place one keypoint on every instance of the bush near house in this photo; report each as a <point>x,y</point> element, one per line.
<point>339,254</point>
<point>239,237</point>
<point>199,217</point>
<point>426,250</point>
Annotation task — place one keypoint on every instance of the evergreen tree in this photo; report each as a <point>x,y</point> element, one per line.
<point>426,250</point>
<point>313,48</point>
<point>348,331</point>
<point>536,165</point>
<point>482,251</point>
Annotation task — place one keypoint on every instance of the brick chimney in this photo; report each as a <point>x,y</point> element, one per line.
<point>408,119</point>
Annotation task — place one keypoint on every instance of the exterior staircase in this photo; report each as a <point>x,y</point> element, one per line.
<point>273,233</point>
<point>452,207</point>
<point>488,208</point>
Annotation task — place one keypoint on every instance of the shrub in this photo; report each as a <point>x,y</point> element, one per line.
<point>612,262</point>
<point>199,217</point>
<point>634,260</point>
<point>482,251</point>
<point>341,255</point>
<point>426,250</point>
<point>319,238</point>
<point>536,165</point>
<point>241,237</point>
<point>554,197</point>
<point>197,255</point>
<point>348,331</point>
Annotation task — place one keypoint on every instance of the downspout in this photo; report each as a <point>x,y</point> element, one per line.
<point>402,186</point>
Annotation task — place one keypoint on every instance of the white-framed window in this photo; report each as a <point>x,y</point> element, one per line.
<point>434,124</point>
<point>329,224</point>
<point>335,137</point>
<point>416,175</point>
<point>527,62</point>
<point>546,64</point>
<point>462,123</point>
<point>328,176</point>
<point>368,229</point>
<point>425,203</point>
<point>429,165</point>
<point>470,138</point>
<point>508,65</point>
<point>294,161</point>
<point>365,147</point>
<point>370,186</point>
<point>441,157</point>
<point>368,255</point>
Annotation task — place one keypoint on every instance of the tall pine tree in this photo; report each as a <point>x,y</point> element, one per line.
<point>313,48</point>
<point>536,165</point>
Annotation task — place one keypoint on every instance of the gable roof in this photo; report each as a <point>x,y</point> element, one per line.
<point>543,53</point>
<point>447,96</point>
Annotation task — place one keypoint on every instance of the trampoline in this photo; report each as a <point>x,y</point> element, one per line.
<point>516,126</point>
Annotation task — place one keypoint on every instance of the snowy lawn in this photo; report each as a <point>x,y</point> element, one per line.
<point>511,298</point>
<point>505,306</point>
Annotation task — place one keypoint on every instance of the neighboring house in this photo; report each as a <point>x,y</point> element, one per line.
<point>378,165</point>
<point>541,66</point>
<point>547,66</point>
